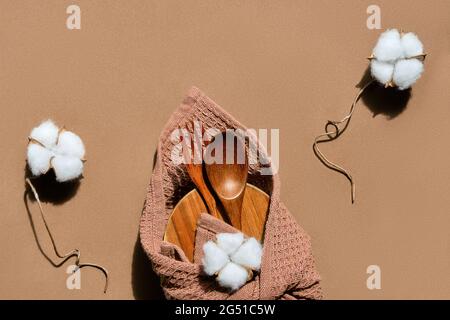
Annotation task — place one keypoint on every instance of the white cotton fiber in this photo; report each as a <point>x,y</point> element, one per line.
<point>46,133</point>
<point>393,59</point>
<point>70,144</point>
<point>249,254</point>
<point>229,242</point>
<point>214,258</point>
<point>66,168</point>
<point>38,159</point>
<point>245,256</point>
<point>407,72</point>
<point>61,150</point>
<point>232,276</point>
<point>411,44</point>
<point>388,47</point>
<point>382,71</point>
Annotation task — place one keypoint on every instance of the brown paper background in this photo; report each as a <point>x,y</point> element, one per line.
<point>272,64</point>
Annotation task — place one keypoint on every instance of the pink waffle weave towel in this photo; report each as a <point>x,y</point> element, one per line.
<point>287,269</point>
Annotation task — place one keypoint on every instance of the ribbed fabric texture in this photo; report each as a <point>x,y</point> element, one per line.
<point>287,269</point>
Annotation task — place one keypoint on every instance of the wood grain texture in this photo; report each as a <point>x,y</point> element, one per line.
<point>195,172</point>
<point>182,223</point>
<point>228,179</point>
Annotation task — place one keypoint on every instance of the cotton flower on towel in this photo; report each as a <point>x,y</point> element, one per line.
<point>57,148</point>
<point>397,59</point>
<point>232,259</point>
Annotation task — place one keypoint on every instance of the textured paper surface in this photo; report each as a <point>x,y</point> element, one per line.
<point>287,64</point>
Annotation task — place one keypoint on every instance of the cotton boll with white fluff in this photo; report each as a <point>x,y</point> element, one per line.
<point>38,159</point>
<point>70,144</point>
<point>411,44</point>
<point>66,168</point>
<point>397,59</point>
<point>214,258</point>
<point>407,72</point>
<point>232,276</point>
<point>230,242</point>
<point>389,46</point>
<point>249,254</point>
<point>232,259</point>
<point>50,147</point>
<point>382,71</point>
<point>46,133</point>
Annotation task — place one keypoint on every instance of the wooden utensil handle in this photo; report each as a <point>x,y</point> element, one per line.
<point>233,209</point>
<point>209,200</point>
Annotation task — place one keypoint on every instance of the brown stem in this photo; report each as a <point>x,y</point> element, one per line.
<point>74,253</point>
<point>332,135</point>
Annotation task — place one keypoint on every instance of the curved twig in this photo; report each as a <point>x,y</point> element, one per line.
<point>74,253</point>
<point>332,135</point>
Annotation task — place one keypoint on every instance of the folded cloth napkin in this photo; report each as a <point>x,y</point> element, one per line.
<point>287,268</point>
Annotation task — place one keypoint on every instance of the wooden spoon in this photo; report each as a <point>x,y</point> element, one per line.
<point>228,180</point>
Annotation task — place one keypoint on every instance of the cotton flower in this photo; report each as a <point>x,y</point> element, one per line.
<point>232,276</point>
<point>229,242</point>
<point>232,258</point>
<point>57,148</point>
<point>397,59</point>
<point>214,258</point>
<point>248,254</point>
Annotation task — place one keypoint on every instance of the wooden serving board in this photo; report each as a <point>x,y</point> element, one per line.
<point>182,223</point>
